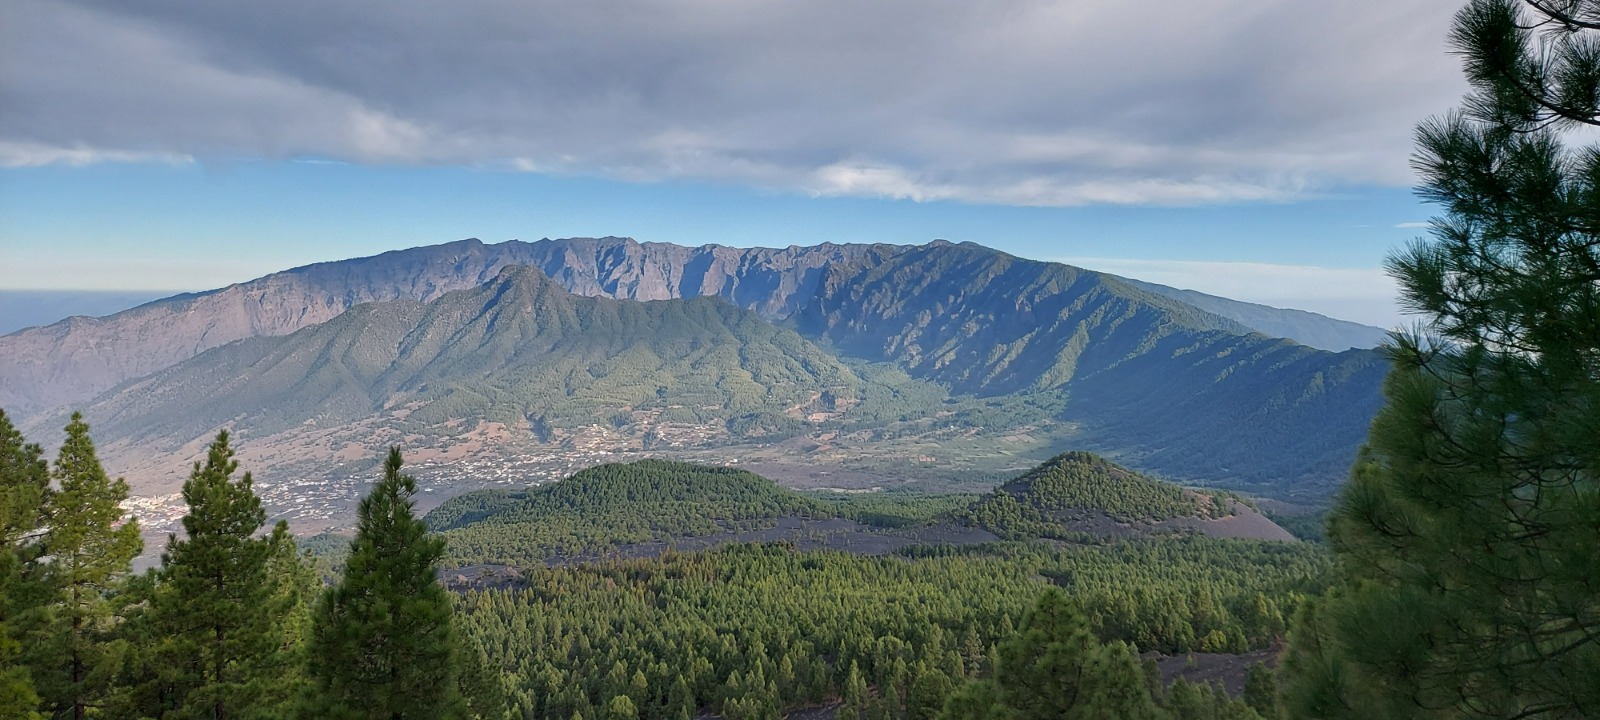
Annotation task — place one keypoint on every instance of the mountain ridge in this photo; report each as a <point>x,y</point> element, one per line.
<point>70,361</point>
<point>489,353</point>
<point>1302,326</point>
<point>985,299</point>
<point>1170,387</point>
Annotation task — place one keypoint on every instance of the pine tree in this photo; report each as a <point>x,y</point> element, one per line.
<point>927,694</point>
<point>24,481</point>
<point>1055,669</point>
<point>1115,685</point>
<point>24,485</point>
<point>1056,646</point>
<point>680,700</point>
<point>1261,690</point>
<point>976,700</point>
<point>855,693</point>
<point>481,685</point>
<point>382,642</point>
<point>294,589</point>
<point>1468,583</point>
<point>148,685</point>
<point>217,616</point>
<point>17,697</point>
<point>621,708</point>
<point>89,546</point>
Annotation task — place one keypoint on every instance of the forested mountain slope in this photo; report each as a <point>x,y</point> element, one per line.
<point>1246,412</point>
<point>519,350</point>
<point>757,631</point>
<point>1172,388</point>
<point>661,492</point>
<point>988,323</point>
<point>771,628</point>
<point>1081,496</point>
<point>600,509</point>
<point>643,508</point>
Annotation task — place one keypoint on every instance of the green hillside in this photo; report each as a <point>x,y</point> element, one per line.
<point>1262,415</point>
<point>1055,499</point>
<point>782,630</point>
<point>1165,385</point>
<point>657,488</point>
<point>608,505</point>
<point>987,323</point>
<point>519,350</point>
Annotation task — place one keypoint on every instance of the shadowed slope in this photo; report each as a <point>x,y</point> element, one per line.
<point>1173,388</point>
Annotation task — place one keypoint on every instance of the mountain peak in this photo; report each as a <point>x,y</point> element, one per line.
<point>1084,480</point>
<point>1080,496</point>
<point>521,274</point>
<point>1076,459</point>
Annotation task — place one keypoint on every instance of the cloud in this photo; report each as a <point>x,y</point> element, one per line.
<point>843,179</point>
<point>1364,295</point>
<point>1062,102</point>
<point>1413,225</point>
<point>13,154</point>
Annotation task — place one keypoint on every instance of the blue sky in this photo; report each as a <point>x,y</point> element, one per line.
<point>160,145</point>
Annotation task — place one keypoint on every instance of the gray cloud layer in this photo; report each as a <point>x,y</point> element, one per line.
<point>1006,101</point>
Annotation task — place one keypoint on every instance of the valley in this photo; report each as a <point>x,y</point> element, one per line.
<point>940,367</point>
<point>864,462</point>
<point>624,465</point>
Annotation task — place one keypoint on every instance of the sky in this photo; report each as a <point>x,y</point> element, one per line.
<point>1257,149</point>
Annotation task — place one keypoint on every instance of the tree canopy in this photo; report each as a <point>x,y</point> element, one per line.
<point>383,645</point>
<point>1469,585</point>
<point>89,544</point>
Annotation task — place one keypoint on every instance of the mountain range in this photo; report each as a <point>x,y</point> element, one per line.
<point>518,348</point>
<point>865,355</point>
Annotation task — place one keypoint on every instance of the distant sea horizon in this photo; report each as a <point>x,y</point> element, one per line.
<point>21,309</point>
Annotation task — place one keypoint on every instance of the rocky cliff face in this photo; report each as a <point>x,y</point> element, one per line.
<point>773,282</point>
<point>77,358</point>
